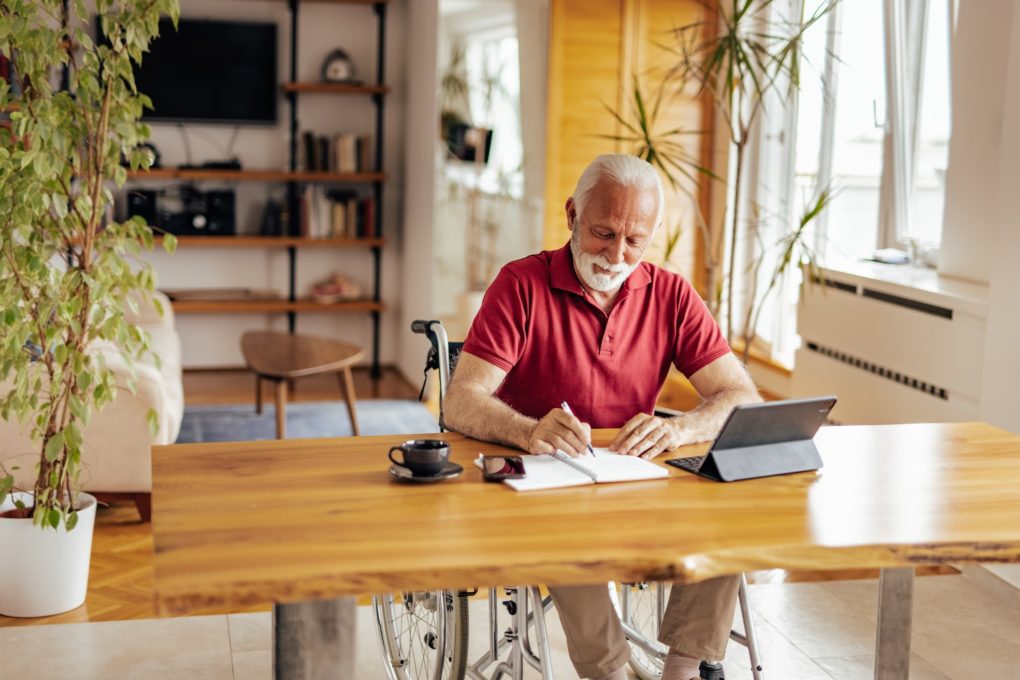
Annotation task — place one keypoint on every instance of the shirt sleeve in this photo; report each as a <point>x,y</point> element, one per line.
<point>499,331</point>
<point>699,340</point>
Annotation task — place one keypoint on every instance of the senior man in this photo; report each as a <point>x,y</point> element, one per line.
<point>593,325</point>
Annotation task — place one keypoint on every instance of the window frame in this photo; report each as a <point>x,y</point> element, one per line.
<point>905,31</point>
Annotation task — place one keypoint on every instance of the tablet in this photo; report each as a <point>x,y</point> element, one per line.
<point>761,440</point>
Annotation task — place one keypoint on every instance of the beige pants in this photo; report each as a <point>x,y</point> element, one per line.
<point>696,623</point>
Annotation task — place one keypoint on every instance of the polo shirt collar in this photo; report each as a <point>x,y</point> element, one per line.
<point>563,276</point>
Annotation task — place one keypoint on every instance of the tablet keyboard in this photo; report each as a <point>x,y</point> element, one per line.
<point>692,464</point>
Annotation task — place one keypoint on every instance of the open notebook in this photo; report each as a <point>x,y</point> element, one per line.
<point>560,470</point>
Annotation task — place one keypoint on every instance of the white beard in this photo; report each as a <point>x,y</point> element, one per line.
<point>584,266</point>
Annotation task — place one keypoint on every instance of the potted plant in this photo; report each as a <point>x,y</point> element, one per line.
<point>737,57</point>
<point>67,271</point>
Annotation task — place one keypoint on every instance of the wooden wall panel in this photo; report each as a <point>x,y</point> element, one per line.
<point>585,67</point>
<point>596,48</point>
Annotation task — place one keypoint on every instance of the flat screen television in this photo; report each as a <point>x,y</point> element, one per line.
<point>211,71</point>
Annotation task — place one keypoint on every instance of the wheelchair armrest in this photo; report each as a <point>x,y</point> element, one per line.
<point>664,412</point>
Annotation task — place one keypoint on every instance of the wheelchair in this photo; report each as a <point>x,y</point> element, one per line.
<point>424,635</point>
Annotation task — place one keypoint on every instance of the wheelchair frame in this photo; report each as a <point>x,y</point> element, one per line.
<point>525,616</point>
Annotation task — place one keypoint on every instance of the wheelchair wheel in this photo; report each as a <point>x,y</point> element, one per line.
<point>638,605</point>
<point>423,634</point>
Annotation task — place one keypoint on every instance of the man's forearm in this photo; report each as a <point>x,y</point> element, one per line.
<point>704,422</point>
<point>483,416</point>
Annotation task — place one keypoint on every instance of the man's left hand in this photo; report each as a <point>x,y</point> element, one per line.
<point>647,436</point>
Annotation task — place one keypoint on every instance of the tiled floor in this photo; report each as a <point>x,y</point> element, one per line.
<point>807,631</point>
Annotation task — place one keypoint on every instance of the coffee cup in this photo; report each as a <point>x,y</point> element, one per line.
<point>423,457</point>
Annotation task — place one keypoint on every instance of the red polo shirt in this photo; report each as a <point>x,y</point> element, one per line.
<point>539,325</point>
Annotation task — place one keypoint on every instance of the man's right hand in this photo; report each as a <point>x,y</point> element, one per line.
<point>559,430</point>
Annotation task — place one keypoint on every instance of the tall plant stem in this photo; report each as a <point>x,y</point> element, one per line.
<point>99,148</point>
<point>734,230</point>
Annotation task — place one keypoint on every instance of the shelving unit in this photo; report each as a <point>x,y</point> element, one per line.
<point>335,88</point>
<point>293,177</point>
<point>273,306</point>
<point>274,242</point>
<point>202,174</point>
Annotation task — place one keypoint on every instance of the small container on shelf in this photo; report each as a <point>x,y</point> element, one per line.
<point>335,288</point>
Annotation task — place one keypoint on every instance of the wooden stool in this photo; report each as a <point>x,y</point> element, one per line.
<point>281,357</point>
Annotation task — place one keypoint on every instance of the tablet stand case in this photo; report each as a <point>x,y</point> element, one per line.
<point>761,440</point>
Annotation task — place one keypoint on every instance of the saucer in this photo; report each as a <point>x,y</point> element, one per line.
<point>449,471</point>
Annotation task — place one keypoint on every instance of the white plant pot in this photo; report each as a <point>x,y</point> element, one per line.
<point>44,572</point>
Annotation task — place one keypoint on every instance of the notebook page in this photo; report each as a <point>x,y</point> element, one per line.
<point>545,472</point>
<point>614,467</point>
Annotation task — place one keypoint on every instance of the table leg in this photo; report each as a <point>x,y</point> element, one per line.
<point>314,640</point>
<point>895,610</point>
<point>346,380</point>
<point>281,409</point>
<point>258,394</point>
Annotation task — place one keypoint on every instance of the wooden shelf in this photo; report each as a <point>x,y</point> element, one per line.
<point>273,242</point>
<point>347,2</point>
<point>272,306</point>
<point>257,175</point>
<point>342,2</point>
<point>335,88</point>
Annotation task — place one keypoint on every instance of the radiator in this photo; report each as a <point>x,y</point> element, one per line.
<point>892,352</point>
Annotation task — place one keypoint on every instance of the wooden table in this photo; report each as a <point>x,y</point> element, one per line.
<point>281,357</point>
<point>247,523</point>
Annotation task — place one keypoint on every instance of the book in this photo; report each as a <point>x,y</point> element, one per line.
<point>322,159</point>
<point>367,223</point>
<point>308,145</point>
<point>558,470</point>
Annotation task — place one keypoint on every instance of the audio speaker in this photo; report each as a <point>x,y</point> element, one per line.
<point>185,210</point>
<point>142,202</point>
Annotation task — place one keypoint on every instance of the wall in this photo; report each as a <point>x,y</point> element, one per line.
<point>596,46</point>
<point>585,66</point>
<point>980,237</point>
<point>427,239</point>
<point>213,340</point>
<point>1002,364</point>
<point>1002,360</point>
<point>980,55</point>
<point>468,214</point>
<point>417,269</point>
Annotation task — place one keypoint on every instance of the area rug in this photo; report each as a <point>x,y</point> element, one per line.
<point>304,419</point>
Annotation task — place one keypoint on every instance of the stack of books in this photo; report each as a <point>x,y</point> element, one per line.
<point>335,213</point>
<point>342,152</point>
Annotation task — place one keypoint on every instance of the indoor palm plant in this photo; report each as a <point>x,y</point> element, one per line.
<point>741,55</point>
<point>67,271</point>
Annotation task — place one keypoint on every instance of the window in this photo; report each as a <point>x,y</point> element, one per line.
<point>933,126</point>
<point>851,105</point>
<point>871,123</point>
<point>882,137</point>
<point>493,80</point>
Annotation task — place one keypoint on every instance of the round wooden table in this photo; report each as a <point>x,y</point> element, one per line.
<point>280,357</point>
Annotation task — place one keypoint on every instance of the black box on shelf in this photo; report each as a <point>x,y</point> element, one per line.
<point>185,210</point>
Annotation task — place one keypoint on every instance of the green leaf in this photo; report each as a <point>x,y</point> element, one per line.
<point>54,446</point>
<point>72,520</point>
<point>53,518</point>
<point>46,203</point>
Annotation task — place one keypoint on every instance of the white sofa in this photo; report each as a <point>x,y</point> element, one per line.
<point>117,461</point>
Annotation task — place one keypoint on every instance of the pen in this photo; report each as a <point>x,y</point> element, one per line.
<point>566,407</point>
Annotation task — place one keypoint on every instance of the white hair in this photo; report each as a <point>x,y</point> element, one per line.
<point>630,171</point>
